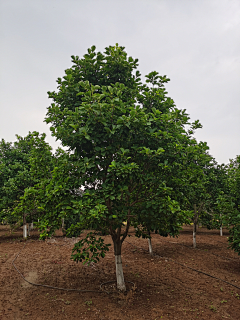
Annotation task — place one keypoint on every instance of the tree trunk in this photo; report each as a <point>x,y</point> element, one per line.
<point>119,269</point>
<point>62,223</point>
<point>221,231</point>
<point>194,235</point>
<point>24,227</point>
<point>31,226</point>
<point>195,221</point>
<point>150,244</point>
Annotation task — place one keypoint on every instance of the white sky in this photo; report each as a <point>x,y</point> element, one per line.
<point>195,43</point>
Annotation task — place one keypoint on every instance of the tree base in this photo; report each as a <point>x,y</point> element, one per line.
<point>119,273</point>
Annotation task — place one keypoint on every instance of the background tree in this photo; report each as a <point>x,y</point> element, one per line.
<point>195,187</point>
<point>15,176</point>
<point>233,206</point>
<point>218,191</point>
<point>44,194</point>
<point>17,161</point>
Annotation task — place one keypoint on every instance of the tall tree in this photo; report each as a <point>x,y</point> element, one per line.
<point>127,140</point>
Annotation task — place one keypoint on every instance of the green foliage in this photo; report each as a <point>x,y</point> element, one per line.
<point>41,164</point>
<point>206,185</point>
<point>18,161</point>
<point>92,252</point>
<point>234,216</point>
<point>218,203</point>
<point>50,195</point>
<point>129,148</point>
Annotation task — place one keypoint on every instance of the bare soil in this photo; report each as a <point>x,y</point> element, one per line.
<point>164,289</point>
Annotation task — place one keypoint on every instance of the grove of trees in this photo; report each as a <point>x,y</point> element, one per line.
<point>131,161</point>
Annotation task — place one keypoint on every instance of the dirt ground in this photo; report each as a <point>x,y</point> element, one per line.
<point>164,289</point>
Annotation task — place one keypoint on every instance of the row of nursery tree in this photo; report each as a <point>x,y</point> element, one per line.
<point>131,161</point>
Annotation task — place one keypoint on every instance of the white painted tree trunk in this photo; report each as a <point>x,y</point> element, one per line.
<point>31,225</point>
<point>194,236</point>
<point>24,227</point>
<point>119,273</point>
<point>221,231</point>
<point>150,246</point>
<point>195,221</point>
<point>24,231</point>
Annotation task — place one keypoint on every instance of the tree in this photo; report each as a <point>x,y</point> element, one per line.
<point>191,184</point>
<point>233,206</point>
<point>44,191</point>
<point>203,189</point>
<point>17,161</point>
<point>218,191</point>
<point>15,177</point>
<point>52,192</point>
<point>126,140</point>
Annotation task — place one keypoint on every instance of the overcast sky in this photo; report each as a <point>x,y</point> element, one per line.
<point>195,43</point>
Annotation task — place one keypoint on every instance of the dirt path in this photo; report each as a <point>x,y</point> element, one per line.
<point>164,289</point>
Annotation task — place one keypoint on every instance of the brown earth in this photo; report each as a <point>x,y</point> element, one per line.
<point>163,289</point>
